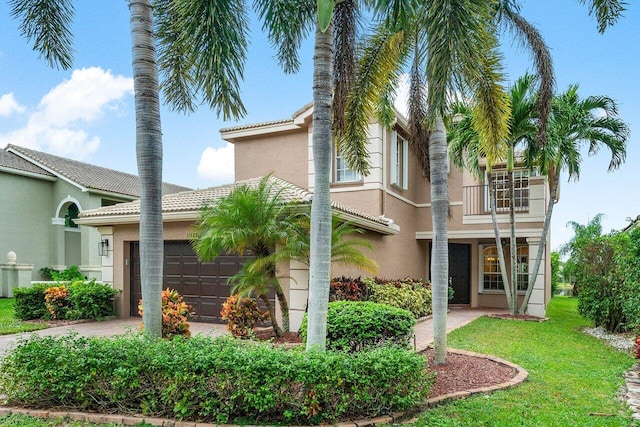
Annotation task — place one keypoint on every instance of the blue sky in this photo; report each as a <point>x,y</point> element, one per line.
<point>87,113</point>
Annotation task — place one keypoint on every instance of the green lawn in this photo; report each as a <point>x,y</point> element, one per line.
<point>24,421</point>
<point>9,324</point>
<point>571,375</point>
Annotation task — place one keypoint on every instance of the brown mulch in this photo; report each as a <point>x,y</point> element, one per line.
<point>524,317</point>
<point>463,372</point>
<point>460,373</point>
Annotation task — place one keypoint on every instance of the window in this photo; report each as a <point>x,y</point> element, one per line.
<point>499,181</point>
<point>399,160</point>
<point>72,213</point>
<point>343,173</point>
<point>491,275</point>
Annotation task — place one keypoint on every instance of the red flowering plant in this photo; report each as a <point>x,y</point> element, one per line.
<point>57,301</point>
<point>638,346</point>
<point>175,313</point>
<point>241,315</point>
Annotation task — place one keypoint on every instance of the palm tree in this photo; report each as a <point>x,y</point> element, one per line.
<point>47,25</point>
<point>253,219</point>
<point>464,149</point>
<point>572,123</point>
<point>451,47</point>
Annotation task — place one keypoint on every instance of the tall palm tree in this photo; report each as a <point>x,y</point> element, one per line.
<point>47,25</point>
<point>464,149</point>
<point>252,219</point>
<point>452,47</point>
<point>573,122</point>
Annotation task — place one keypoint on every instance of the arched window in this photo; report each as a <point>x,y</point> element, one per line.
<point>72,213</point>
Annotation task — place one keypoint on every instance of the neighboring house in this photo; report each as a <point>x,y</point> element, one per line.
<point>392,204</point>
<point>41,197</point>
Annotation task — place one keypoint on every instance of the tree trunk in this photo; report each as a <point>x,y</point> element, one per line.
<point>493,197</point>
<point>440,246</point>
<point>542,244</point>
<point>320,251</point>
<point>272,314</point>
<point>149,157</point>
<point>513,247</point>
<point>284,307</point>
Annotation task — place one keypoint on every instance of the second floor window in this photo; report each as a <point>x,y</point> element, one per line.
<point>399,160</point>
<point>342,171</point>
<point>500,184</point>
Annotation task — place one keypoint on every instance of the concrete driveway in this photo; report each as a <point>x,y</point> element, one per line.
<point>107,328</point>
<point>456,318</point>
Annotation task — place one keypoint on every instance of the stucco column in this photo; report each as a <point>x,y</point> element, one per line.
<point>14,275</point>
<point>57,244</point>
<point>298,293</point>
<point>106,262</point>
<point>537,304</point>
<point>90,263</point>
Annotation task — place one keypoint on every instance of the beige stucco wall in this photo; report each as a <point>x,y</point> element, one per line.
<point>282,154</point>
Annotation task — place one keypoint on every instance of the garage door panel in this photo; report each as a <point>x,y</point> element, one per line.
<point>203,285</point>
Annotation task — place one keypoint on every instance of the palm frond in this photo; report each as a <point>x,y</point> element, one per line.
<point>47,24</point>
<point>345,17</point>
<point>606,12</point>
<point>212,43</point>
<point>287,23</point>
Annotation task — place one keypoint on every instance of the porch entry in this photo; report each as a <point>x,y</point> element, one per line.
<point>459,272</point>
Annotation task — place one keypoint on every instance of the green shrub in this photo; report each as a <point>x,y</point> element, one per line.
<point>68,275</point>
<point>353,326</point>
<point>412,295</point>
<point>211,380</point>
<point>607,270</point>
<point>90,300</point>
<point>30,303</point>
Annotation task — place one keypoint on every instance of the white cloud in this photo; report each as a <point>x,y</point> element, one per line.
<point>60,123</point>
<point>217,164</point>
<point>9,105</point>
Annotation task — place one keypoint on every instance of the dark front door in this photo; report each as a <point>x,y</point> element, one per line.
<point>460,272</point>
<point>205,286</point>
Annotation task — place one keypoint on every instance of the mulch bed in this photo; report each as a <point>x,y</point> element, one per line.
<point>523,317</point>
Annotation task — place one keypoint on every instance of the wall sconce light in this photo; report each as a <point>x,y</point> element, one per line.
<point>103,247</point>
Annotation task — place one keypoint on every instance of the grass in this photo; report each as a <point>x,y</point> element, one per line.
<point>9,324</point>
<point>25,421</point>
<point>572,376</point>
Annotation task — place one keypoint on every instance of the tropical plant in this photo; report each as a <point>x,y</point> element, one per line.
<point>465,151</point>
<point>241,315</point>
<point>251,219</point>
<point>592,121</point>
<point>175,313</point>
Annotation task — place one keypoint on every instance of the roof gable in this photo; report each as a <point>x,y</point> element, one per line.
<point>84,175</point>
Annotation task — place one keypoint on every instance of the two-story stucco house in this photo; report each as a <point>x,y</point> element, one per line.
<point>42,196</point>
<point>392,205</point>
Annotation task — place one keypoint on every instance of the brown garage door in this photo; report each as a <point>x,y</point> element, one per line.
<point>203,285</point>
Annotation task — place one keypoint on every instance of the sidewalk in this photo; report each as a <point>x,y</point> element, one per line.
<point>456,318</point>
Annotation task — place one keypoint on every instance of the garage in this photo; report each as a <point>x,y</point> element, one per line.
<point>204,286</point>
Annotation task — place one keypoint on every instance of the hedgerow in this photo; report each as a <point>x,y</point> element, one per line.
<point>212,380</point>
<point>410,294</point>
<point>77,300</point>
<point>356,325</point>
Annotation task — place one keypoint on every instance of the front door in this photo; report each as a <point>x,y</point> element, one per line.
<point>459,272</point>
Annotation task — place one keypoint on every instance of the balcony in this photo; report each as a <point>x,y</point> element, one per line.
<point>531,195</point>
<point>476,199</point>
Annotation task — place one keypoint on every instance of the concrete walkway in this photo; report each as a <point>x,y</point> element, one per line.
<point>456,318</point>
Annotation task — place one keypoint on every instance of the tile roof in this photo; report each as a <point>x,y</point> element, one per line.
<point>84,174</point>
<point>193,201</point>
<point>11,161</point>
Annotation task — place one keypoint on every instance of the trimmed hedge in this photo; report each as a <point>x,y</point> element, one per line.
<point>410,294</point>
<point>30,303</point>
<point>353,326</point>
<point>217,380</point>
<point>84,300</point>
